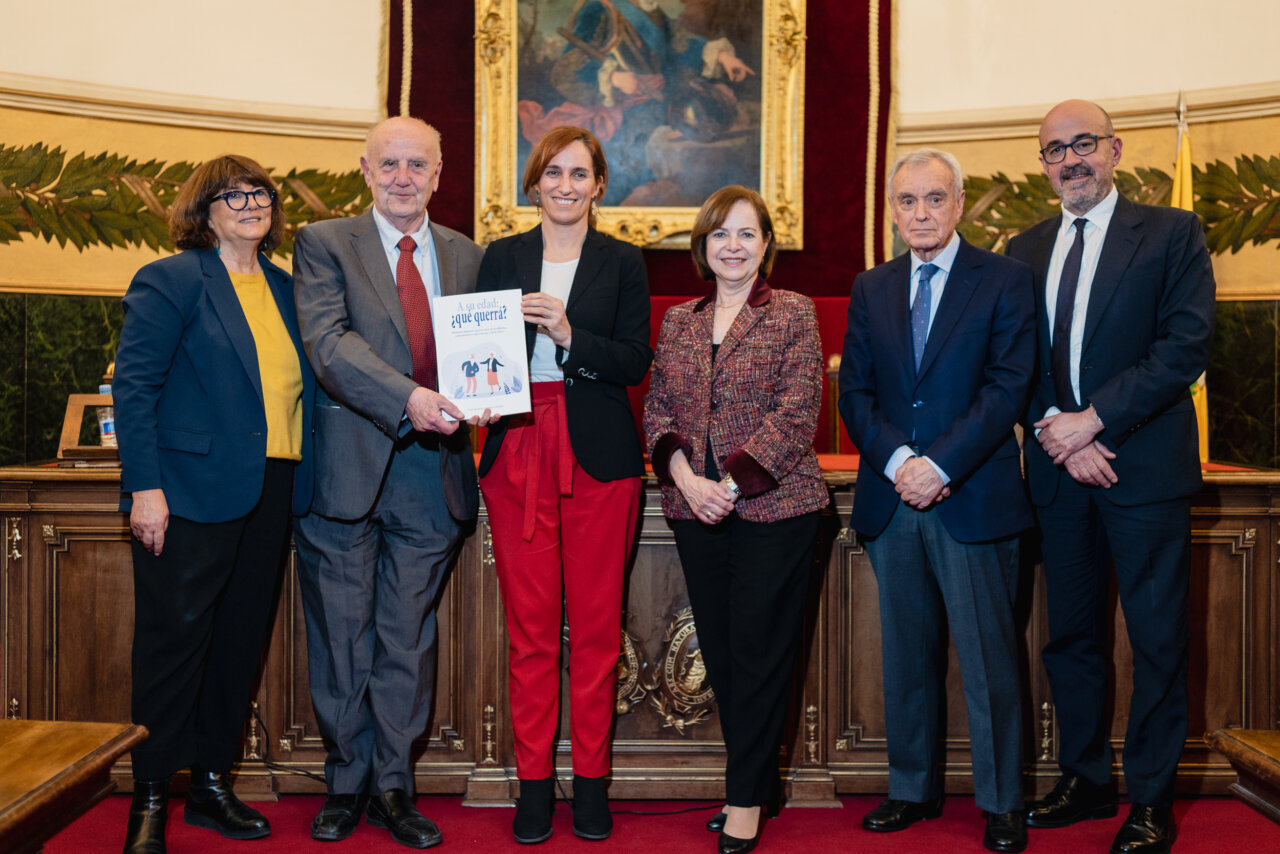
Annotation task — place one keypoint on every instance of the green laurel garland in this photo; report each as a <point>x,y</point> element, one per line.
<point>1238,206</point>
<point>114,201</point>
<point>110,200</point>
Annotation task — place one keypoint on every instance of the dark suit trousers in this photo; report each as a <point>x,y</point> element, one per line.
<point>1150,545</point>
<point>369,594</point>
<point>928,580</point>
<point>748,582</point>
<point>201,613</point>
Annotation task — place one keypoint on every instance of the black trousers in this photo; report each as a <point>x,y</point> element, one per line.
<point>748,582</point>
<point>201,613</point>
<point>1150,547</point>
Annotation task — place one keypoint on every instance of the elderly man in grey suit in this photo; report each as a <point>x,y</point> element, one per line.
<point>396,483</point>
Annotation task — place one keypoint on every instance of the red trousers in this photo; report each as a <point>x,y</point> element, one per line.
<point>558,532</point>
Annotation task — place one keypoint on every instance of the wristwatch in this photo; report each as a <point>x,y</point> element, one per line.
<point>733,486</point>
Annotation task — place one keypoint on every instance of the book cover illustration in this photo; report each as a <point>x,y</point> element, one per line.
<point>480,352</point>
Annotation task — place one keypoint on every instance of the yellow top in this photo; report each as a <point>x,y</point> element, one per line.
<point>277,365</point>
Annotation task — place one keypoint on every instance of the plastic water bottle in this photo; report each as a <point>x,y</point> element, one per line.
<point>107,420</point>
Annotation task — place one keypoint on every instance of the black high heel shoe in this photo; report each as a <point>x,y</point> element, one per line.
<point>715,824</point>
<point>733,845</point>
<point>727,844</point>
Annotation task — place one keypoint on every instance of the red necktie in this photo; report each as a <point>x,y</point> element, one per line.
<point>417,315</point>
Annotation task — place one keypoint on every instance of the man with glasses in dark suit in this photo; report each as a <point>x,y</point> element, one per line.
<point>1124,310</point>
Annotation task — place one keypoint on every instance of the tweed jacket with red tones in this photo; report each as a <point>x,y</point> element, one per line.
<point>757,403</point>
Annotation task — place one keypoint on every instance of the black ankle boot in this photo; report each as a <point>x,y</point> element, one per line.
<point>591,818</point>
<point>532,823</point>
<point>212,804</point>
<point>147,814</point>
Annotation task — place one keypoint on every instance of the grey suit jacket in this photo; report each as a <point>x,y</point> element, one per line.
<point>354,333</point>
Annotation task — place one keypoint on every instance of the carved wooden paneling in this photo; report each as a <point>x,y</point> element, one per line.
<point>66,625</point>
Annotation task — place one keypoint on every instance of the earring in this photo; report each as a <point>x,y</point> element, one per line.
<point>536,198</point>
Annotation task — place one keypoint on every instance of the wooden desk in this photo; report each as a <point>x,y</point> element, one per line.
<point>51,772</point>
<point>66,623</point>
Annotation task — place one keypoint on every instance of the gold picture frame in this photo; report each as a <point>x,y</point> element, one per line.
<point>499,210</point>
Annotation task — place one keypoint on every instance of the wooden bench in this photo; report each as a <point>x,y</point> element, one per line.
<point>51,772</point>
<point>1255,756</point>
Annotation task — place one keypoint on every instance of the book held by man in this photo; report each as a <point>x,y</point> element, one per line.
<point>481,360</point>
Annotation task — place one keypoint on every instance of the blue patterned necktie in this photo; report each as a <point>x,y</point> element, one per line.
<point>920,311</point>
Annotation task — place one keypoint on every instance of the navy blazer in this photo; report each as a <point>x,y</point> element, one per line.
<point>608,309</point>
<point>1146,339</point>
<point>188,394</point>
<point>960,409</point>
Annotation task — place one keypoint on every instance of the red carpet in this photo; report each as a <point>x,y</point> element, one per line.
<point>1205,825</point>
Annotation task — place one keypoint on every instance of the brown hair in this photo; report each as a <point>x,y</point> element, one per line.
<point>715,210</point>
<point>552,143</point>
<point>189,215</point>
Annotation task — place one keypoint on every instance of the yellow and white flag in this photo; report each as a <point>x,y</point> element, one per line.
<point>1182,198</point>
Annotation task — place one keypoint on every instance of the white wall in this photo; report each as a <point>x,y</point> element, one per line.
<point>953,55</point>
<point>321,53</point>
<point>956,55</point>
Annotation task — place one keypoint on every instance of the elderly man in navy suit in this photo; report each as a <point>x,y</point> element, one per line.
<point>1124,306</point>
<point>937,367</point>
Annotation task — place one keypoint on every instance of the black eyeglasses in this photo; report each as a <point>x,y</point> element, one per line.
<point>1083,147</point>
<point>238,200</point>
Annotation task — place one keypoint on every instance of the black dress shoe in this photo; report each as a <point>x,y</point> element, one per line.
<point>393,810</point>
<point>1006,831</point>
<point>899,815</point>
<point>715,824</point>
<point>532,823</point>
<point>338,818</point>
<point>147,814</point>
<point>1073,799</point>
<point>591,817</point>
<point>212,804</point>
<point>1147,830</point>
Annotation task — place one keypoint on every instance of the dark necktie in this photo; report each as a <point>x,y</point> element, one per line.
<point>1063,316</point>
<point>417,315</point>
<point>920,311</point>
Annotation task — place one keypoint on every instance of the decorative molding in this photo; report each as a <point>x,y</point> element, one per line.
<point>871,199</point>
<point>1252,101</point>
<point>630,665</point>
<point>490,743</point>
<point>406,54</point>
<point>1240,543</point>
<point>253,743</point>
<point>1046,732</point>
<point>498,211</point>
<point>680,691</point>
<point>13,536</point>
<point>811,734</point>
<point>91,100</point>
<point>486,545</point>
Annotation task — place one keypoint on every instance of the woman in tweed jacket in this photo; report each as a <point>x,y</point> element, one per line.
<point>729,422</point>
